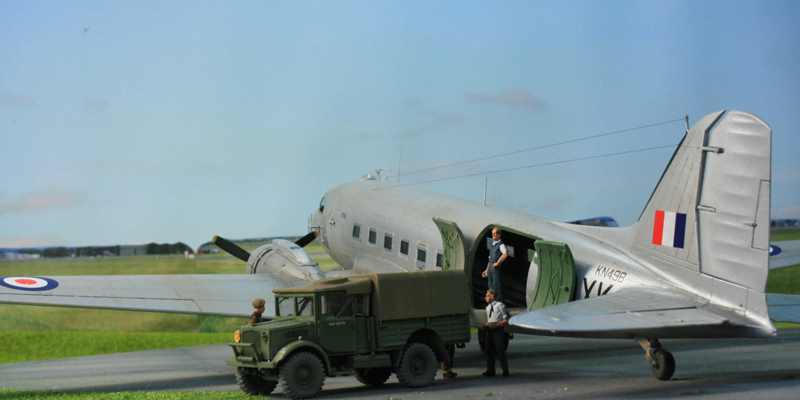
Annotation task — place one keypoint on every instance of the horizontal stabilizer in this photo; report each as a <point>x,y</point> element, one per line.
<point>633,313</point>
<point>228,295</point>
<point>784,307</point>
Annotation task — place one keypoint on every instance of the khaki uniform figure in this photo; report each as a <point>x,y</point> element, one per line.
<point>259,305</point>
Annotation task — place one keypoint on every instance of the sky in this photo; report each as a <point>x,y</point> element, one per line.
<point>140,121</point>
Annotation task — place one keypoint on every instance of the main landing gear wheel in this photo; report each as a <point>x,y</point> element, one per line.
<point>662,363</point>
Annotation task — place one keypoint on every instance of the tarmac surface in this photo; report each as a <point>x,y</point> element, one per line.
<point>541,367</point>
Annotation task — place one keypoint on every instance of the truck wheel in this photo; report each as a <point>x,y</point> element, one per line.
<point>418,365</point>
<point>301,376</point>
<point>253,384</point>
<point>373,376</point>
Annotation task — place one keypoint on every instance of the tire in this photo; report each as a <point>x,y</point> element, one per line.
<point>301,376</point>
<point>253,384</point>
<point>662,365</point>
<point>418,365</point>
<point>373,376</point>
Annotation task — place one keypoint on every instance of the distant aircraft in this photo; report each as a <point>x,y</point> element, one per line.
<point>693,266</point>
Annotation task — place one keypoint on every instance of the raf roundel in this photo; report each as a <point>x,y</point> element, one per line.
<point>33,284</point>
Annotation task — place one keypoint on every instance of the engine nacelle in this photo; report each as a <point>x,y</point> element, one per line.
<point>283,259</point>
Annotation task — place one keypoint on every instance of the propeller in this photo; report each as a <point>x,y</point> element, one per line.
<point>242,254</point>
<point>303,241</point>
<point>231,248</point>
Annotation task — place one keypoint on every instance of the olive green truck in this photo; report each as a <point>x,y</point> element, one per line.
<point>369,325</point>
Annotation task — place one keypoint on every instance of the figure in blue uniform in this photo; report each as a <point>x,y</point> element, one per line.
<point>497,255</point>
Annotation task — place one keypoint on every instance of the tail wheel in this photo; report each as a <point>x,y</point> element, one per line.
<point>253,384</point>
<point>418,365</point>
<point>662,365</point>
<point>301,376</point>
<point>373,376</point>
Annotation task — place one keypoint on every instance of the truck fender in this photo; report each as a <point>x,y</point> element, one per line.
<point>295,346</point>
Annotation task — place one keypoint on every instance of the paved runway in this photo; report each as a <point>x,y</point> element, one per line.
<point>543,368</point>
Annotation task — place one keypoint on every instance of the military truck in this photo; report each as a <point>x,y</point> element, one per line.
<point>369,325</point>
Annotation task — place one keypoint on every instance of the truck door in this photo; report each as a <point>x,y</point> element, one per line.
<point>453,242</point>
<point>551,277</point>
<point>337,330</point>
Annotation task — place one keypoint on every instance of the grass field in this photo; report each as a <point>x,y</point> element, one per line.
<point>784,280</point>
<point>16,395</point>
<point>784,234</point>
<point>51,345</point>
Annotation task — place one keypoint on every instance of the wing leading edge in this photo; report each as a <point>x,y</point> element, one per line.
<point>635,313</point>
<point>228,295</point>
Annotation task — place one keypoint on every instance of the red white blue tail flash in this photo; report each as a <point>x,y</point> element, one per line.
<point>669,229</point>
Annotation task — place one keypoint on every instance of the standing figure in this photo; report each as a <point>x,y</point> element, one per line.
<point>497,255</point>
<point>495,339</point>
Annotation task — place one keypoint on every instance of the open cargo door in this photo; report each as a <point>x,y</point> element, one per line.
<point>455,256</point>
<point>551,277</point>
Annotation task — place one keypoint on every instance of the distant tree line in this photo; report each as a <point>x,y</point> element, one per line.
<point>166,248</point>
<point>116,250</point>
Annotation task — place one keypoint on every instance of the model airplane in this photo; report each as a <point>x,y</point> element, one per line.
<point>693,266</point>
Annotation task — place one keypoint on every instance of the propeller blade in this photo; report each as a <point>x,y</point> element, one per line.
<point>231,248</point>
<point>303,241</point>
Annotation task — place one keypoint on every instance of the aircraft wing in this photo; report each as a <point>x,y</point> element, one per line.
<point>627,313</point>
<point>784,307</point>
<point>228,295</point>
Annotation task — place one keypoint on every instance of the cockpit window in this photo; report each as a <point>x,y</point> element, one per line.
<point>322,204</point>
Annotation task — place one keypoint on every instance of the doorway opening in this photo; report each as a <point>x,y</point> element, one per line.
<point>514,271</point>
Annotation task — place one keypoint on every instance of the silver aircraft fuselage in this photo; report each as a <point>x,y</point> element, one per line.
<point>407,215</point>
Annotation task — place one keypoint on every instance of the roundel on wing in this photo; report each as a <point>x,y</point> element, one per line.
<point>34,284</point>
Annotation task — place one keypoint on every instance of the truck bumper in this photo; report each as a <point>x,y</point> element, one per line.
<point>245,357</point>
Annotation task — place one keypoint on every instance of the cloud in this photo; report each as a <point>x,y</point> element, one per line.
<point>520,99</point>
<point>12,100</point>
<point>40,201</point>
<point>431,120</point>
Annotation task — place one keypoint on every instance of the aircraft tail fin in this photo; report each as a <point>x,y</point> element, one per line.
<point>710,211</point>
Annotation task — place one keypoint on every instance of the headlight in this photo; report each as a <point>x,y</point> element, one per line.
<point>237,336</point>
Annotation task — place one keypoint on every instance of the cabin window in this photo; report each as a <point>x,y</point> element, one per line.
<point>361,305</point>
<point>337,304</point>
<point>356,231</point>
<point>322,204</point>
<point>373,236</point>
<point>404,247</point>
<point>439,259</point>
<point>387,242</point>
